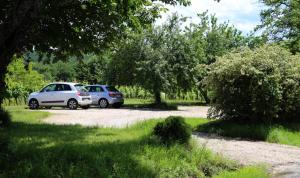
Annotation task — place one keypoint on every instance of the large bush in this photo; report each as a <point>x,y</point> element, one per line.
<point>173,130</point>
<point>260,84</point>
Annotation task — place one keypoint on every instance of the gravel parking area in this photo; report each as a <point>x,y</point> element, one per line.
<point>121,117</point>
<point>283,160</point>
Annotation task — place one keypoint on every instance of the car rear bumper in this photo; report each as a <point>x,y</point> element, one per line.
<point>85,101</point>
<point>116,100</point>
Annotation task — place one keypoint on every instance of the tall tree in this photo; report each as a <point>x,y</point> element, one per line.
<point>67,26</point>
<point>159,60</point>
<point>281,22</point>
<point>212,39</point>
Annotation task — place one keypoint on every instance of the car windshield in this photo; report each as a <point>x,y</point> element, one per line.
<point>111,88</point>
<point>80,87</point>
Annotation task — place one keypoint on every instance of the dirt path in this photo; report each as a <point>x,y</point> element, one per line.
<point>284,161</point>
<point>118,117</point>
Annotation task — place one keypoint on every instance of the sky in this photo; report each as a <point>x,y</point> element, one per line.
<point>243,14</point>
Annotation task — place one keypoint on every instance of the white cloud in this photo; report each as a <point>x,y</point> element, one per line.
<point>243,14</point>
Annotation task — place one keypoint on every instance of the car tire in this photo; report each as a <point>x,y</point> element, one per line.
<point>33,104</point>
<point>103,103</point>
<point>85,107</point>
<point>72,104</point>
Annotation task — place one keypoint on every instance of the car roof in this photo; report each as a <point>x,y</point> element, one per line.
<point>98,85</point>
<point>69,83</point>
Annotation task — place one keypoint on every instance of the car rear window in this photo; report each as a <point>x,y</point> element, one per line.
<point>80,87</point>
<point>111,88</point>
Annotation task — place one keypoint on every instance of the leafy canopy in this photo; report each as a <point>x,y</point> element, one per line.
<point>281,22</point>
<point>73,26</point>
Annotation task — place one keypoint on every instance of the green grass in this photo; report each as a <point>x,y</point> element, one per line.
<point>282,133</point>
<point>36,149</point>
<point>166,104</point>
<point>247,172</point>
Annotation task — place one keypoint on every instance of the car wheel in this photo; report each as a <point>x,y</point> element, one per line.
<point>85,107</point>
<point>103,103</point>
<point>33,104</point>
<point>48,107</point>
<point>72,104</point>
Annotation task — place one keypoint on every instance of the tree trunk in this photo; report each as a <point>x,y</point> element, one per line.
<point>157,97</point>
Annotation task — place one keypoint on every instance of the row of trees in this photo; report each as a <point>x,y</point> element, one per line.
<point>167,58</point>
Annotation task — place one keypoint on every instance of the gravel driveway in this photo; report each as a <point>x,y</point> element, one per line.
<point>121,117</point>
<point>284,161</point>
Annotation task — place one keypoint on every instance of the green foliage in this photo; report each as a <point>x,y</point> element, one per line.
<point>158,59</point>
<point>213,39</point>
<point>281,22</point>
<point>247,172</point>
<point>170,59</point>
<point>234,129</point>
<point>5,120</point>
<point>173,130</point>
<point>93,69</point>
<point>262,84</point>
<point>76,27</point>
<point>20,82</point>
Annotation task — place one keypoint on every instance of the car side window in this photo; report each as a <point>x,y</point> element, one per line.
<point>99,89</point>
<point>49,88</point>
<point>88,88</point>
<point>67,87</point>
<point>92,89</point>
<point>59,87</point>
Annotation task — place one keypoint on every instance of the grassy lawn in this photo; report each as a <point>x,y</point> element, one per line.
<point>282,133</point>
<point>36,149</point>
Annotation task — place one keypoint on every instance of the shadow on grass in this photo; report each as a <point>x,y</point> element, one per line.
<point>168,105</point>
<point>153,106</point>
<point>252,131</point>
<point>42,150</point>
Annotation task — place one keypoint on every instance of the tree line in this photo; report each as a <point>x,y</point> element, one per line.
<point>168,58</point>
<point>165,58</point>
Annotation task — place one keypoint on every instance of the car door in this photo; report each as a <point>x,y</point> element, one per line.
<point>46,95</point>
<point>61,94</point>
<point>96,93</point>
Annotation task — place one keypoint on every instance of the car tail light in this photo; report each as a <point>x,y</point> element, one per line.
<point>81,94</point>
<point>112,94</point>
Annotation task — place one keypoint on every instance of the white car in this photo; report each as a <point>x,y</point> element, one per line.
<point>63,94</point>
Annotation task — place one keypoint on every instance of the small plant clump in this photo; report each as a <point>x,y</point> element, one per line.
<point>173,130</point>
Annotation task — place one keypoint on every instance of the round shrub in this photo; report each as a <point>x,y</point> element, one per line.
<point>260,84</point>
<point>5,120</point>
<point>173,130</point>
